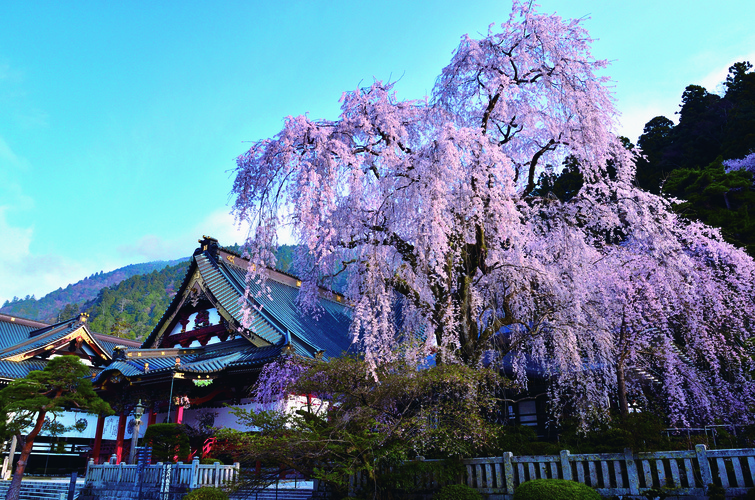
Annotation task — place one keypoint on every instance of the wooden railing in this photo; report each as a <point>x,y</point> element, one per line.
<point>192,475</point>
<point>683,473</point>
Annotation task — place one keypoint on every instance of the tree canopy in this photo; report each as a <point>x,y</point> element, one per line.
<point>353,424</point>
<point>63,384</point>
<point>433,208</point>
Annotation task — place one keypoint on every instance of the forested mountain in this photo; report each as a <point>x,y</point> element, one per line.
<point>127,302</point>
<point>48,307</point>
<point>133,307</point>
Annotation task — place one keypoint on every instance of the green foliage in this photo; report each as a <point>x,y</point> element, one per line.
<point>565,184</point>
<point>370,426</point>
<point>522,440</point>
<point>64,383</point>
<point>710,127</point>
<point>132,308</point>
<point>67,312</point>
<point>660,493</point>
<point>457,492</point>
<point>716,492</point>
<point>167,441</point>
<point>554,489</point>
<point>717,198</point>
<point>210,461</point>
<point>638,431</point>
<point>207,494</point>
<point>408,478</point>
<point>82,293</point>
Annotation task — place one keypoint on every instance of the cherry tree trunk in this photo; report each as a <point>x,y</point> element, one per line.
<point>622,388</point>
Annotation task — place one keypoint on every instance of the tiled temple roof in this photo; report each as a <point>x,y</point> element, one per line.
<point>276,319</point>
<point>20,335</point>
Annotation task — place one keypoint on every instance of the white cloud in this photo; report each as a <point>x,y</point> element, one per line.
<point>24,273</point>
<point>635,116</point>
<point>219,225</point>
<point>713,81</point>
<point>9,159</point>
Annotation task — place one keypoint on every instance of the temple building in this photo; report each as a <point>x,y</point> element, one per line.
<point>198,358</point>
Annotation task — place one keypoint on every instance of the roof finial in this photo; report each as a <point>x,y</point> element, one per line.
<point>209,245</point>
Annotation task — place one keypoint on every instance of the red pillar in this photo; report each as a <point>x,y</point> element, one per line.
<point>121,434</point>
<point>98,438</point>
<point>152,417</point>
<point>180,415</point>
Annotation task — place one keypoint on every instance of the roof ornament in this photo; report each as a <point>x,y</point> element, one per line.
<point>195,295</point>
<point>119,353</point>
<point>210,245</point>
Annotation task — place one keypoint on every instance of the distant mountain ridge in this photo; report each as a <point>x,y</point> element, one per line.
<point>127,302</point>
<point>86,290</point>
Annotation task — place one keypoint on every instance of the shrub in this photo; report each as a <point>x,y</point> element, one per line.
<point>210,461</point>
<point>457,492</point>
<point>206,494</point>
<point>167,441</point>
<point>522,440</point>
<point>716,492</point>
<point>554,489</point>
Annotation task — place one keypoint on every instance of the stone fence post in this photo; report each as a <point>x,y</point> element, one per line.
<point>632,475</point>
<point>194,473</point>
<point>565,465</point>
<point>508,471</point>
<point>702,459</point>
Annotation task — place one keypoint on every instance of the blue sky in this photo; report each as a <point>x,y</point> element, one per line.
<point>120,121</point>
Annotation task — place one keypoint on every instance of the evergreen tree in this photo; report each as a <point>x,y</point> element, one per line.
<point>63,384</point>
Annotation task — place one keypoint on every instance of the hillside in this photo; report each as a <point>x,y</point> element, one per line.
<point>131,308</point>
<point>127,302</point>
<point>48,307</point>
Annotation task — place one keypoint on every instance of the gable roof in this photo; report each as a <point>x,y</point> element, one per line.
<point>21,339</point>
<point>276,319</point>
<point>54,336</point>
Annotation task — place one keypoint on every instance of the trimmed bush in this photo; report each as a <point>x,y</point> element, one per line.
<point>457,492</point>
<point>167,441</point>
<point>206,494</point>
<point>554,489</point>
<point>210,461</point>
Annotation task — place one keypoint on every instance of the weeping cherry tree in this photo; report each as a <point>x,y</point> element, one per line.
<point>431,208</point>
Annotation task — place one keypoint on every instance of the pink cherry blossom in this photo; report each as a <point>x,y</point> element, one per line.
<point>431,206</point>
